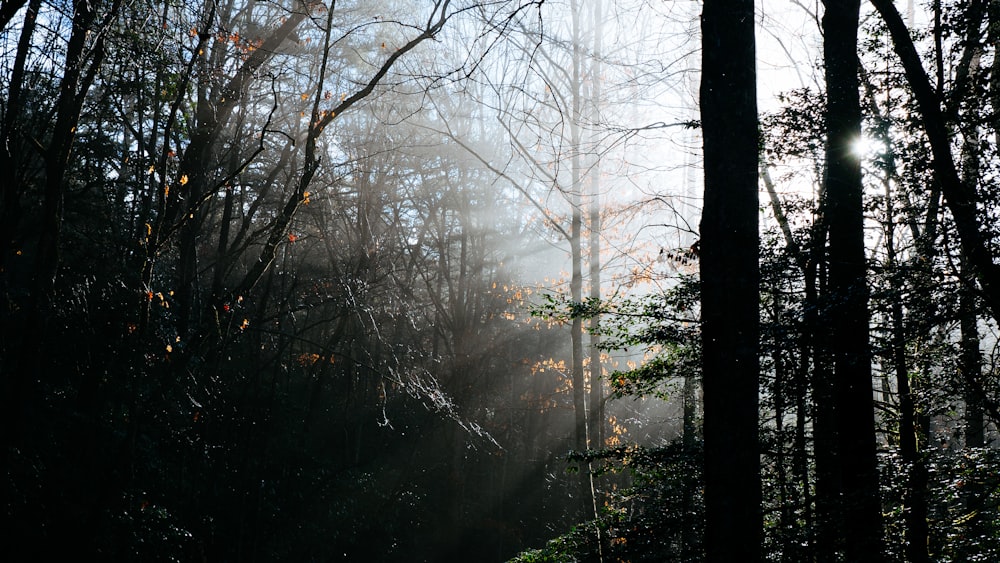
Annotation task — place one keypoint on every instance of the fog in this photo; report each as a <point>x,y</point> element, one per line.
<point>289,280</point>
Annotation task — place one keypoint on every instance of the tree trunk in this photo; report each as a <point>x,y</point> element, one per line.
<point>960,197</point>
<point>10,205</point>
<point>915,495</point>
<point>596,412</point>
<point>847,302</point>
<point>576,256</point>
<point>812,354</point>
<point>730,283</point>
<point>787,523</point>
<point>14,373</point>
<point>971,367</point>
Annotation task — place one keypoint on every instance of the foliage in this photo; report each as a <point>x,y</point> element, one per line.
<point>657,518</point>
<point>661,328</point>
<point>964,503</point>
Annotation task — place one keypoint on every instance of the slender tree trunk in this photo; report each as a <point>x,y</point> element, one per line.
<point>960,197</point>
<point>970,355</point>
<point>915,494</point>
<point>971,367</point>
<point>993,40</point>
<point>596,411</point>
<point>787,522</point>
<point>63,134</point>
<point>847,304</point>
<point>576,256</point>
<point>689,437</point>
<point>807,342</point>
<point>730,283</point>
<point>12,186</point>
<point>11,325</point>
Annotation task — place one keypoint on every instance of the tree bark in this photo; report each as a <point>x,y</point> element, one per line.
<point>730,283</point>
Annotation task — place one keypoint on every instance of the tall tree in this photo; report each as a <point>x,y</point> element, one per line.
<point>960,197</point>
<point>847,304</point>
<point>596,408</point>
<point>730,282</point>
<point>576,247</point>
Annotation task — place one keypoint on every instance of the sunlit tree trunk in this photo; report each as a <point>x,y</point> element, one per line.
<point>576,254</point>
<point>730,283</point>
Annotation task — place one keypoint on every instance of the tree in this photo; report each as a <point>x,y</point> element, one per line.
<point>847,303</point>
<point>175,154</point>
<point>961,197</point>
<point>730,283</point>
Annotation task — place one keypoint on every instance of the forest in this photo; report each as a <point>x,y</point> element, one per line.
<point>500,280</point>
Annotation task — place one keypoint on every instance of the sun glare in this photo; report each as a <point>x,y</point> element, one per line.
<point>867,146</point>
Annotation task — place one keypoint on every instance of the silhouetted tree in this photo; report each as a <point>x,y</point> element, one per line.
<point>730,283</point>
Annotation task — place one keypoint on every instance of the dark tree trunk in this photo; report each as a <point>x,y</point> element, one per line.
<point>787,522</point>
<point>915,495</point>
<point>847,304</point>
<point>960,197</point>
<point>812,354</point>
<point>828,536</point>
<point>71,90</point>
<point>971,365</point>
<point>10,204</point>
<point>730,283</point>
<point>11,325</point>
<point>8,9</point>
